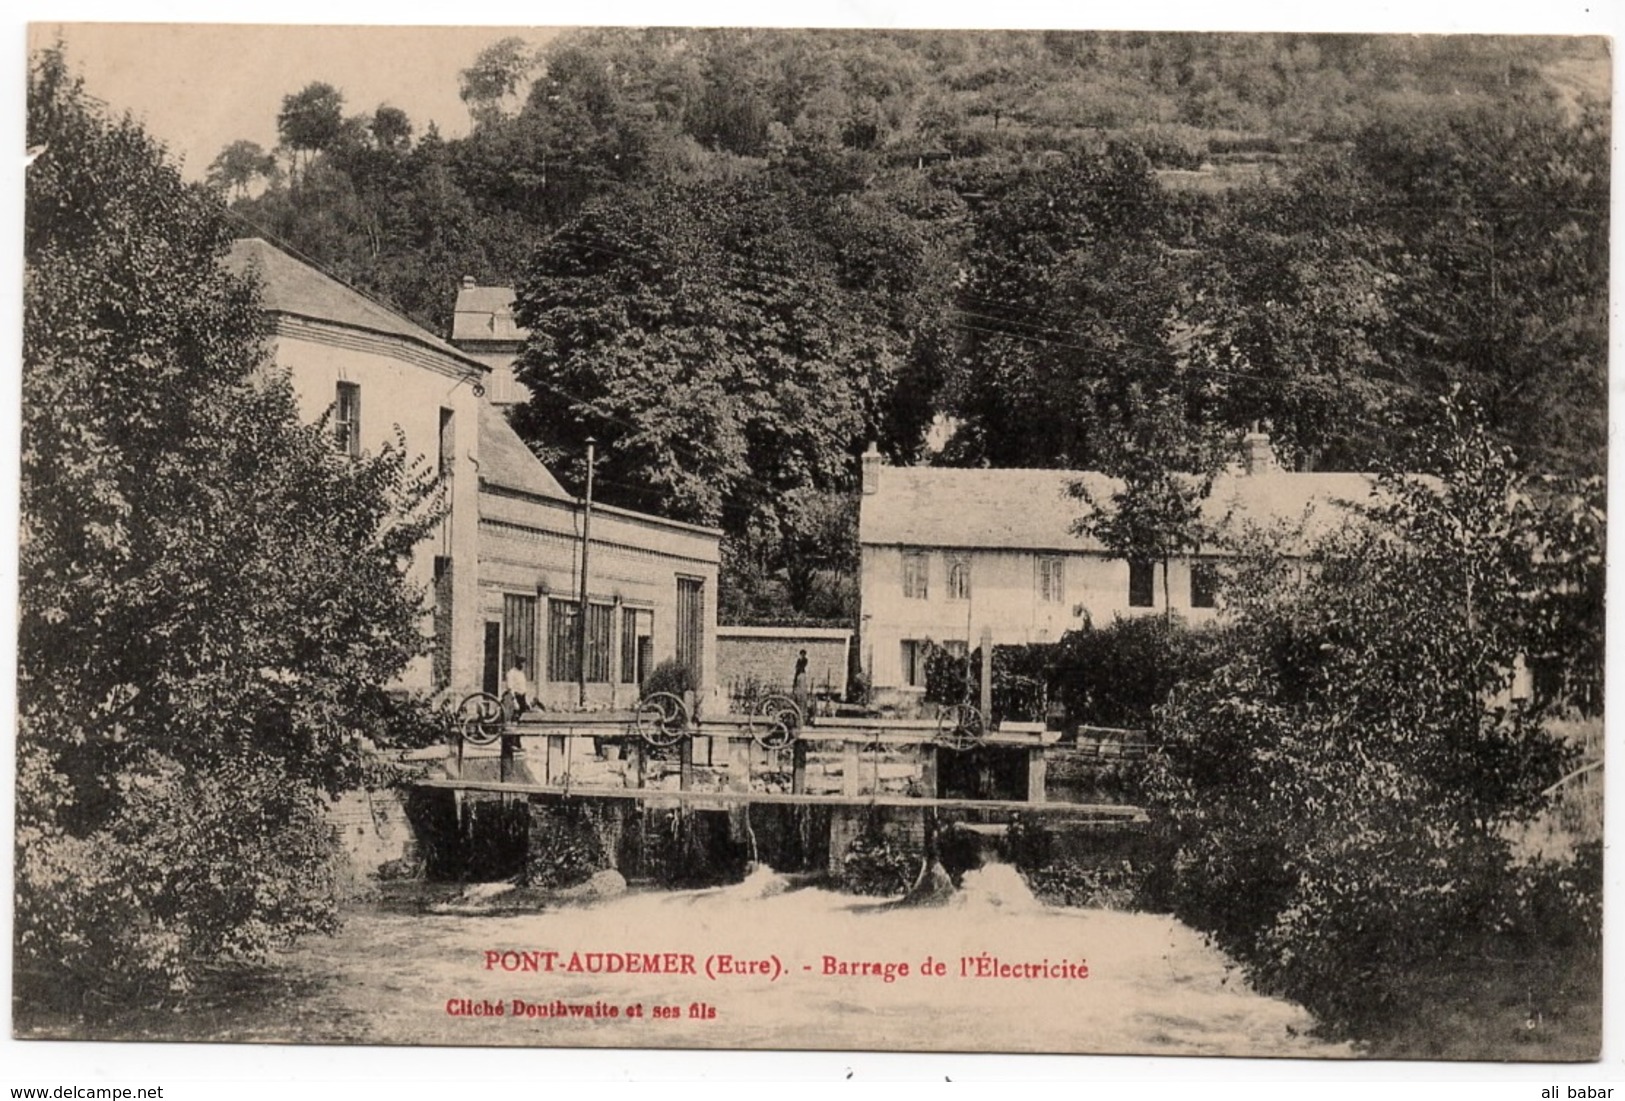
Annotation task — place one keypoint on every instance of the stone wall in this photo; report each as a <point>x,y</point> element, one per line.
<point>763,659</point>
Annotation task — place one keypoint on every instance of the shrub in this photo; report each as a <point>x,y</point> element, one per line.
<point>1119,674</point>
<point>1020,680</point>
<point>671,676</point>
<point>875,866</point>
<point>1341,787</point>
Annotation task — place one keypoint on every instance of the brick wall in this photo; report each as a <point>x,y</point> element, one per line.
<point>750,656</point>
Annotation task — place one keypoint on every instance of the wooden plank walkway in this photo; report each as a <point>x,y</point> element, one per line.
<point>619,726</point>
<point>1074,810</point>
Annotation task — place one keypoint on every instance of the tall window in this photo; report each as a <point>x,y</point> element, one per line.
<point>634,628</point>
<point>691,624</point>
<point>1204,585</point>
<point>564,643</point>
<point>1051,581</point>
<point>598,622</point>
<point>1141,584</point>
<point>440,670</point>
<point>914,576</point>
<point>958,579</point>
<point>347,418</point>
<point>519,632</point>
<point>448,441</point>
<point>562,657</point>
<point>914,651</point>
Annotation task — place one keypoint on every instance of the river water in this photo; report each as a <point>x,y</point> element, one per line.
<point>1011,978</point>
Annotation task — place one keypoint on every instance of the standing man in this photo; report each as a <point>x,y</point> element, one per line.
<point>798,687</point>
<point>519,686</point>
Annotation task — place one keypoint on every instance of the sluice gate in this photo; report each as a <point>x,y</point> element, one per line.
<point>559,797</point>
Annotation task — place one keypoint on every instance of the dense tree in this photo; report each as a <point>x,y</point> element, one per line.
<point>496,78</point>
<point>239,165</point>
<point>210,597</point>
<point>1341,786</point>
<point>1503,212</point>
<point>391,128</point>
<point>728,347</point>
<point>1066,308</point>
<point>311,120</point>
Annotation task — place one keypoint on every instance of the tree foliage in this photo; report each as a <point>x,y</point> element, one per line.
<point>732,350</point>
<point>1341,785</point>
<point>211,598</point>
<point>1094,232</point>
<point>311,119</point>
<point>239,165</point>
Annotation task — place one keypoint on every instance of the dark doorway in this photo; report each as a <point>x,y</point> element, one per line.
<point>492,680</point>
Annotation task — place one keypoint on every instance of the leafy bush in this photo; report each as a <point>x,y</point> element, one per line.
<point>875,866</point>
<point>1020,680</point>
<point>1119,674</point>
<point>671,676</point>
<point>1341,786</point>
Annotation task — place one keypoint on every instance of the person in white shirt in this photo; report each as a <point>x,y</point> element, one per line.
<point>519,685</point>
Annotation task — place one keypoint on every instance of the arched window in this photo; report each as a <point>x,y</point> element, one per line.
<point>958,579</point>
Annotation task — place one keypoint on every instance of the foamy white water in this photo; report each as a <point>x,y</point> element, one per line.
<point>1153,987</point>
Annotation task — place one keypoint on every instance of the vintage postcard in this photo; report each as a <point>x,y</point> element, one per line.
<point>1069,541</point>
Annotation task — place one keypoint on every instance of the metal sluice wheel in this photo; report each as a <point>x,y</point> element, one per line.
<point>783,719</point>
<point>959,727</point>
<point>479,718</point>
<point>662,719</point>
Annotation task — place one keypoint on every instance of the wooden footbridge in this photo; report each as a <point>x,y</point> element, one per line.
<point>774,756</point>
<point>659,791</point>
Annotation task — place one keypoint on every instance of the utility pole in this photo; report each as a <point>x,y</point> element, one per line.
<point>586,545</point>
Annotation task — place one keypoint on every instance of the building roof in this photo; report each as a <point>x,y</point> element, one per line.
<point>291,286</point>
<point>485,314</point>
<point>507,464</point>
<point>1033,510</point>
<point>505,460</point>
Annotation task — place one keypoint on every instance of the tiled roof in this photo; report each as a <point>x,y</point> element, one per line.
<point>505,460</point>
<point>485,313</point>
<point>291,286</point>
<point>1033,510</point>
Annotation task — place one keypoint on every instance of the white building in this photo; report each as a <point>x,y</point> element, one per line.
<point>651,584</point>
<point>652,588</point>
<point>483,327</point>
<point>376,371</point>
<point>503,568</point>
<point>945,553</point>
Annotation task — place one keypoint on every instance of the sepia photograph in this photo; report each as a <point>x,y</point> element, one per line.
<point>875,540</point>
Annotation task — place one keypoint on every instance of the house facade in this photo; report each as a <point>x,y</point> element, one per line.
<point>502,572</point>
<point>374,372</point>
<point>945,554</point>
<point>651,585</point>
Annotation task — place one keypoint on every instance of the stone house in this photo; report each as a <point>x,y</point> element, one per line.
<point>946,553</point>
<point>503,569</point>
<point>373,371</point>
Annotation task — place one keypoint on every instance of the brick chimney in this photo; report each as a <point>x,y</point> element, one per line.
<point>468,282</point>
<point>872,462</point>
<point>1257,456</point>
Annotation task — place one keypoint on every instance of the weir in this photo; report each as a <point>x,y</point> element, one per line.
<point>565,795</point>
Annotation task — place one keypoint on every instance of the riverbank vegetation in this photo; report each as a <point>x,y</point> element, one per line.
<point>209,603</point>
